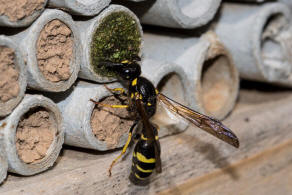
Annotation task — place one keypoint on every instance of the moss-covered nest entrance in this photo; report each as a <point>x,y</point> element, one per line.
<point>117,38</point>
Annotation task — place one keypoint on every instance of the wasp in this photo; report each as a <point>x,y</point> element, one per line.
<point>143,98</point>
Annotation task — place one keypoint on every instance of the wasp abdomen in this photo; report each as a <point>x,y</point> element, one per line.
<point>143,161</point>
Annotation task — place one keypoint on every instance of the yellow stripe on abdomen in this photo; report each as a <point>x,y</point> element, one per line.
<point>143,170</point>
<point>143,159</point>
<point>145,138</point>
<point>136,175</point>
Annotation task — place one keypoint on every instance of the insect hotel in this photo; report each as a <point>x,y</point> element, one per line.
<point>145,97</point>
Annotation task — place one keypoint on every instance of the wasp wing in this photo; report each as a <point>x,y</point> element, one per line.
<point>209,124</point>
<point>149,133</point>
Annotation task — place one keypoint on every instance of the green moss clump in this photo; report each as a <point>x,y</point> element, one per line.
<point>116,39</point>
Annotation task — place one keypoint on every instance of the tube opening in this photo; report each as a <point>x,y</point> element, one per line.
<point>35,134</point>
<point>9,75</point>
<point>55,48</point>
<point>109,124</point>
<point>275,47</point>
<point>18,9</point>
<point>194,8</point>
<point>217,83</point>
<point>117,38</point>
<point>170,85</point>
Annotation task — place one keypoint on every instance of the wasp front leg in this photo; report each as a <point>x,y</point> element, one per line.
<point>121,90</point>
<point>108,105</point>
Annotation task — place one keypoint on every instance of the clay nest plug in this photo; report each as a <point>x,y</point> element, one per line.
<point>51,47</point>
<point>20,13</point>
<point>109,124</point>
<point>35,134</point>
<point>12,76</point>
<point>55,51</point>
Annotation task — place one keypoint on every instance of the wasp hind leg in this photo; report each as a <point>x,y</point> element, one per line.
<point>124,148</point>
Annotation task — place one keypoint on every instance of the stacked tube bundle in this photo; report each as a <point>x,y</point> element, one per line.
<point>61,57</point>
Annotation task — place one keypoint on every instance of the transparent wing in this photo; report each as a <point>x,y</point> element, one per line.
<point>149,133</point>
<point>209,124</point>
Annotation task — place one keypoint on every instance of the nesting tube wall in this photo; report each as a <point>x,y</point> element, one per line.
<point>51,49</point>
<point>86,125</point>
<point>261,40</point>
<point>20,13</point>
<point>212,76</point>
<point>12,75</point>
<point>287,2</point>
<point>250,1</point>
<point>33,135</point>
<point>80,7</point>
<point>186,14</point>
<point>3,159</point>
<point>137,0</point>
<point>114,35</point>
<point>170,79</point>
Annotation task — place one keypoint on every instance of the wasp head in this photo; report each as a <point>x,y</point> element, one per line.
<point>125,70</point>
<point>129,71</point>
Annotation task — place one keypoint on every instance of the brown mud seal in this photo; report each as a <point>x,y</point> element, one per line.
<point>19,9</point>
<point>34,135</point>
<point>108,124</point>
<point>9,86</point>
<point>55,51</point>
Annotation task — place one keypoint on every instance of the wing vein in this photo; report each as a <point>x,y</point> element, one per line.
<point>206,123</point>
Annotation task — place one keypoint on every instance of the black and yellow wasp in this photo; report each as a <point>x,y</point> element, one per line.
<point>143,97</point>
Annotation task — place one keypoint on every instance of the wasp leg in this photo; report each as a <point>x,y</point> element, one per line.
<point>137,136</point>
<point>121,90</point>
<point>108,105</point>
<point>124,148</point>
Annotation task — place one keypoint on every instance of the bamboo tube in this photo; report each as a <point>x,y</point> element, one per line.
<point>89,127</point>
<point>137,0</point>
<point>80,7</point>
<point>33,135</point>
<point>171,80</point>
<point>18,13</point>
<point>12,76</point>
<point>51,49</point>
<point>261,40</point>
<point>250,1</point>
<point>186,14</point>
<point>113,35</point>
<point>213,81</point>
<point>287,2</point>
<point>3,159</point>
